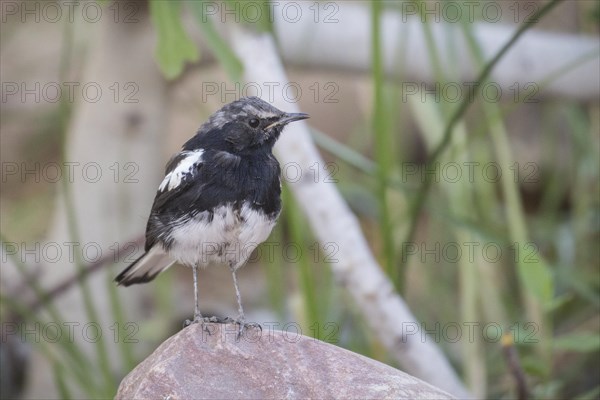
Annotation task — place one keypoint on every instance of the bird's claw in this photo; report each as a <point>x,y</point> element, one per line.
<point>199,319</point>
<point>239,321</point>
<point>243,325</point>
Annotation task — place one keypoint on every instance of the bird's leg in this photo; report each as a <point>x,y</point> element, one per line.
<point>197,315</point>
<point>241,318</point>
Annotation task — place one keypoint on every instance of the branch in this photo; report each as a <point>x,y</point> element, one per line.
<point>514,366</point>
<point>78,276</point>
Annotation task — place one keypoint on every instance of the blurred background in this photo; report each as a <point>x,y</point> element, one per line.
<point>478,193</point>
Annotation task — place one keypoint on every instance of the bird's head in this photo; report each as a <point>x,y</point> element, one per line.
<point>249,123</point>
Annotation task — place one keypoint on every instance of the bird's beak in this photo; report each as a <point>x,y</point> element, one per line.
<point>287,118</point>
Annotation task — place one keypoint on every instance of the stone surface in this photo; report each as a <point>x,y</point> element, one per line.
<point>271,364</point>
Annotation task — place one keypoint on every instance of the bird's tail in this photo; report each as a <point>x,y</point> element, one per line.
<point>145,268</point>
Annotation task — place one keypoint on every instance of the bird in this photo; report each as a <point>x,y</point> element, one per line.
<point>219,199</point>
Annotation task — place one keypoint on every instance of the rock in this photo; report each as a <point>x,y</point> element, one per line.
<point>271,364</point>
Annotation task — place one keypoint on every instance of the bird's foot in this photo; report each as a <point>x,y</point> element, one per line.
<point>199,319</point>
<point>240,321</point>
<point>219,320</point>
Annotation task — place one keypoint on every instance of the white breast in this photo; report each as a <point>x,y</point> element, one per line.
<point>228,239</point>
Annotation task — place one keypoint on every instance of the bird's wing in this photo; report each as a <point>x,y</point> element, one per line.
<point>197,169</point>
<point>180,173</point>
<point>182,190</point>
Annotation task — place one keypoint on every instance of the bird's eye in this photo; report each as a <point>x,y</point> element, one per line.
<point>254,122</point>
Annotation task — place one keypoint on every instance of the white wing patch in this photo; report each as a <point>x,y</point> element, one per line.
<point>183,168</point>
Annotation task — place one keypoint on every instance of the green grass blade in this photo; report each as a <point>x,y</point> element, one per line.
<point>383,147</point>
<point>307,282</point>
<point>276,276</point>
<point>60,381</point>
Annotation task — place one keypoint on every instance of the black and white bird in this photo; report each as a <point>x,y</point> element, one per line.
<point>220,197</point>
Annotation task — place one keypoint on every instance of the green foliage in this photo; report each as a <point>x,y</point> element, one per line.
<point>174,48</point>
<point>578,342</point>
<point>220,48</point>
<point>537,277</point>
